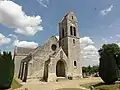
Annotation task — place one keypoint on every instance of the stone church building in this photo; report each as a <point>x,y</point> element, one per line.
<point>56,58</point>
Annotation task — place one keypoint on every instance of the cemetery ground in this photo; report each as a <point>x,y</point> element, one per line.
<point>81,84</point>
<point>60,85</point>
<point>102,86</point>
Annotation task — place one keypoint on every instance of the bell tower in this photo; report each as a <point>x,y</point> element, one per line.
<point>70,42</point>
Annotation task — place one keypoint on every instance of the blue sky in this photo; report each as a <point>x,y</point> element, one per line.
<point>98,19</point>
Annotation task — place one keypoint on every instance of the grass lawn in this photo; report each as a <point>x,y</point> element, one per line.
<point>15,84</point>
<point>102,86</point>
<point>69,89</point>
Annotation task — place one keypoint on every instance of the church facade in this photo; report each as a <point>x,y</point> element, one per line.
<point>58,57</point>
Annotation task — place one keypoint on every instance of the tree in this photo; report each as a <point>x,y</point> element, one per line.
<point>95,69</point>
<point>108,67</point>
<point>6,70</point>
<point>90,69</point>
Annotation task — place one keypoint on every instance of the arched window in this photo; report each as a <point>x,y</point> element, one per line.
<point>72,17</point>
<point>75,63</point>
<point>73,41</point>
<point>74,31</point>
<point>71,30</point>
<point>62,33</point>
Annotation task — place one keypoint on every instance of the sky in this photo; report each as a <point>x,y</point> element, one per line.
<point>29,23</point>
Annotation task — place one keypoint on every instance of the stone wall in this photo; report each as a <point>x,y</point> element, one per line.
<point>41,55</point>
<point>52,66</point>
<point>17,63</point>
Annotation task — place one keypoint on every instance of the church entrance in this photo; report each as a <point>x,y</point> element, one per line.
<point>60,69</point>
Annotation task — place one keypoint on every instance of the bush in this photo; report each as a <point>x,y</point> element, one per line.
<point>6,70</point>
<point>108,69</point>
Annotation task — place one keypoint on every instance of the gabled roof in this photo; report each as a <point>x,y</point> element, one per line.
<point>35,50</point>
<point>22,51</point>
<point>67,15</point>
<point>30,52</point>
<point>57,52</point>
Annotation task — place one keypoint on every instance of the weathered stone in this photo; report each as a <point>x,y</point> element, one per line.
<point>57,57</point>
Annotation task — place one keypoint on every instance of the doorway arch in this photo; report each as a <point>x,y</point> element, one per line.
<point>60,69</point>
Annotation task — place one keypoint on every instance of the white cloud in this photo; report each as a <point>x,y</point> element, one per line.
<point>110,37</point>
<point>118,35</point>
<point>12,16</point>
<point>106,11</point>
<point>86,41</point>
<point>4,40</point>
<point>12,35</point>
<point>104,40</point>
<point>89,52</point>
<point>25,44</point>
<point>118,44</point>
<point>44,3</point>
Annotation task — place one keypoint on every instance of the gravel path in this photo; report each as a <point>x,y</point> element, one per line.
<point>37,85</point>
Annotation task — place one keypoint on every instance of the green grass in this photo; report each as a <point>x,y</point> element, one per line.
<point>89,84</point>
<point>102,86</point>
<point>15,84</point>
<point>69,89</point>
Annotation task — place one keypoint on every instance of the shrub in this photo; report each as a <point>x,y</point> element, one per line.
<point>6,70</point>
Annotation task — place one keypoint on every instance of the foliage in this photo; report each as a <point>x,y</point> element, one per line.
<point>108,69</point>
<point>102,86</point>
<point>6,70</point>
<point>90,69</point>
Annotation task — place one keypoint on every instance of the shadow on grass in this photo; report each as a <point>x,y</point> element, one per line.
<point>103,86</point>
<point>99,84</point>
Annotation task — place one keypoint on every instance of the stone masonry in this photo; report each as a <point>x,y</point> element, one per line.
<point>56,58</point>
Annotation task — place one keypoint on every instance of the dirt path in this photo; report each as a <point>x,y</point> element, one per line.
<point>35,85</point>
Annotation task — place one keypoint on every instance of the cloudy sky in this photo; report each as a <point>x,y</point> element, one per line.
<point>29,23</point>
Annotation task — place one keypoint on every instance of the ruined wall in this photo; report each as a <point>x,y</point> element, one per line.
<point>17,63</point>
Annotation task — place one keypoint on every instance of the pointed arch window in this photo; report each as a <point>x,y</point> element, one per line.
<point>72,17</point>
<point>63,32</point>
<point>71,33</point>
<point>74,31</point>
<point>75,63</point>
<point>73,41</point>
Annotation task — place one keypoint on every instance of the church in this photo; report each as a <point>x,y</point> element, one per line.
<point>58,57</point>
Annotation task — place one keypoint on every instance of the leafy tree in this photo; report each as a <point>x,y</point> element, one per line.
<point>95,69</point>
<point>108,63</point>
<point>6,70</point>
<point>90,69</point>
<point>84,70</point>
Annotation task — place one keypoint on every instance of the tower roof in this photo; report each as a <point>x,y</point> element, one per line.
<point>67,15</point>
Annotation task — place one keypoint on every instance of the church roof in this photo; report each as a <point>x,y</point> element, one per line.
<point>66,15</point>
<point>23,51</point>
<point>58,51</point>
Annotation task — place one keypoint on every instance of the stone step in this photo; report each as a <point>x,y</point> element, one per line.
<point>61,79</point>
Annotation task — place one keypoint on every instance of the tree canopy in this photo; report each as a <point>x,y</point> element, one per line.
<point>6,70</point>
<point>108,67</point>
